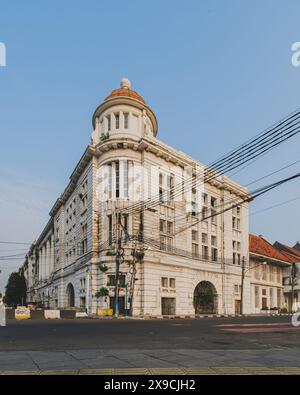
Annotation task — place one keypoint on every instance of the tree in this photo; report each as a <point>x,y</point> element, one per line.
<point>15,290</point>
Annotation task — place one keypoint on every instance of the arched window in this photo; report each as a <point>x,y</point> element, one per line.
<point>70,295</point>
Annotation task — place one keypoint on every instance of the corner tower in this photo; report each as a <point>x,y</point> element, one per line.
<point>123,113</point>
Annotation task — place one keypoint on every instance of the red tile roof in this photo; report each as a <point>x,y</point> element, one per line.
<point>125,92</point>
<point>258,245</point>
<point>283,248</point>
<point>292,258</point>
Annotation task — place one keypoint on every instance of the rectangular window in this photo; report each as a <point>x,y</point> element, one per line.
<point>111,280</point>
<point>194,209</point>
<point>169,243</point>
<point>172,282</point>
<point>110,181</point>
<point>125,179</point>
<point>110,230</point>
<point>214,241</point>
<point>170,228</point>
<point>126,119</point>
<point>205,252</point>
<point>117,118</point>
<point>214,254</point>
<point>213,202</point>
<point>117,164</point>
<point>164,282</point>
<point>109,123</point>
<point>204,198</point>
<point>161,188</point>
<point>204,238</point>
<point>195,249</point>
<point>170,181</point>
<point>195,235</point>
<point>162,226</point>
<point>213,214</point>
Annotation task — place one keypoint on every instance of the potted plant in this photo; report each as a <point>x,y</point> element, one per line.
<point>103,267</point>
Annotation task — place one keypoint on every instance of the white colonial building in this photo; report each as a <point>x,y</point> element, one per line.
<point>177,256</point>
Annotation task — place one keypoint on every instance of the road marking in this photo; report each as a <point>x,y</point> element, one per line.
<point>265,324</point>
<point>260,329</point>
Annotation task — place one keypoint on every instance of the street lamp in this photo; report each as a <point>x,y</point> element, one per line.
<point>244,271</point>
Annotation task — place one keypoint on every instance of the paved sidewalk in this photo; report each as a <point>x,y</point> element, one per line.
<point>78,360</point>
<point>162,371</point>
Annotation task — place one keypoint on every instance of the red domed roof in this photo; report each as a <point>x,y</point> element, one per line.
<point>125,92</point>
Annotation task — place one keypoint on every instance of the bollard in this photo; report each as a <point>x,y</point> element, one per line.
<point>2,315</point>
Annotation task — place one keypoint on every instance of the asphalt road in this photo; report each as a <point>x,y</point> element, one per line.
<point>110,343</point>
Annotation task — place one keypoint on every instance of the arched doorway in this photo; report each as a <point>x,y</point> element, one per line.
<point>205,298</point>
<point>70,295</point>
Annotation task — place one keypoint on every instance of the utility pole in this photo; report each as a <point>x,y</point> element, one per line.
<point>132,281</point>
<point>118,252</point>
<point>242,285</point>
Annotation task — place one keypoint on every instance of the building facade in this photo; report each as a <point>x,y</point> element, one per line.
<point>181,250</point>
<point>268,268</point>
<point>291,276</point>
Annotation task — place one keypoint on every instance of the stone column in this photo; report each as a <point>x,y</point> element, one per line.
<point>52,253</point>
<point>40,264</point>
<point>46,260</point>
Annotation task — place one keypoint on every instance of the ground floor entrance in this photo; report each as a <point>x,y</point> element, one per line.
<point>205,298</point>
<point>168,306</point>
<point>122,307</point>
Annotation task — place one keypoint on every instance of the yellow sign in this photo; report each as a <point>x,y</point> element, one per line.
<point>22,313</point>
<point>104,312</point>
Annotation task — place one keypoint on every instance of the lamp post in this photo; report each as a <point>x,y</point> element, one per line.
<point>244,271</point>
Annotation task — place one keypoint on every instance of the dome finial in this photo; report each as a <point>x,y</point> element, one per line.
<point>125,83</point>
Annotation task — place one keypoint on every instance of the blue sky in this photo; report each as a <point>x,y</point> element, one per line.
<point>215,73</point>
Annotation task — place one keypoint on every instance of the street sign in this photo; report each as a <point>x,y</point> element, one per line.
<point>22,313</point>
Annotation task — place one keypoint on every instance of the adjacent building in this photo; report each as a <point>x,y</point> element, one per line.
<point>268,267</point>
<point>291,276</point>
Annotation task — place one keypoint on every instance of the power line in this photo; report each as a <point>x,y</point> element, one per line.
<point>259,192</point>
<point>274,172</point>
<point>274,206</point>
<point>259,148</point>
